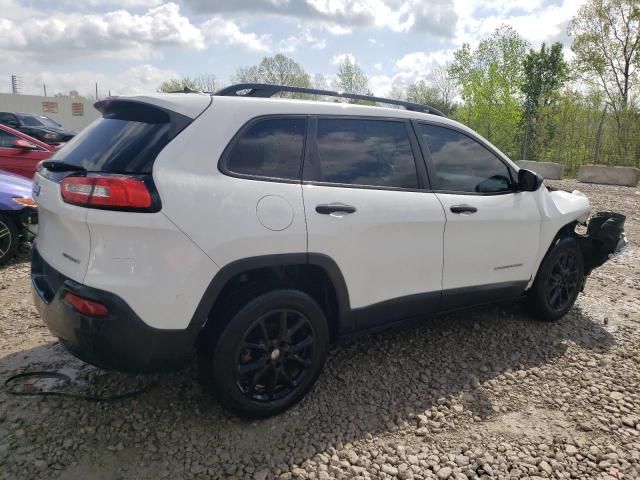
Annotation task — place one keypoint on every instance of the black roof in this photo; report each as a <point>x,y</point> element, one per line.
<point>264,90</point>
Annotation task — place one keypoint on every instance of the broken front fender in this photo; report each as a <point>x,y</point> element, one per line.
<point>604,238</point>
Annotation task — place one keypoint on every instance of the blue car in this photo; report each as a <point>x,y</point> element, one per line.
<point>18,214</point>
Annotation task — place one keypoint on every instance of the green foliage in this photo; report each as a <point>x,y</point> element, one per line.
<point>438,92</point>
<point>351,78</point>
<point>276,70</point>
<point>177,85</point>
<point>545,73</point>
<point>489,77</point>
<point>607,55</point>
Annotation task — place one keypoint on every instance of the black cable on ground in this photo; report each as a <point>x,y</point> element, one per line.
<point>9,382</point>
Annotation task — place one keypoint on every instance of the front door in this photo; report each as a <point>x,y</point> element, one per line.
<point>492,232</point>
<point>367,207</point>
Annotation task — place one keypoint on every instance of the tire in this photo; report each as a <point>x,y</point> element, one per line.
<point>558,282</point>
<point>8,239</point>
<point>255,367</point>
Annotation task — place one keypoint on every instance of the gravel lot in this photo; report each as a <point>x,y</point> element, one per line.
<point>487,393</point>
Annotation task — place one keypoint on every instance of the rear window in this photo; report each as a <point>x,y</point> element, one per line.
<point>127,139</point>
<point>270,147</point>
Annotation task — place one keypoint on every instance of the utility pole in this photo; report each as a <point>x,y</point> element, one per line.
<point>44,87</point>
<point>96,90</point>
<point>15,84</point>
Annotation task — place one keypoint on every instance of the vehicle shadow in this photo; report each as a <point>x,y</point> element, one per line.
<point>370,386</point>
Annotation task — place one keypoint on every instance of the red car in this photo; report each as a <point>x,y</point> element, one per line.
<point>20,153</point>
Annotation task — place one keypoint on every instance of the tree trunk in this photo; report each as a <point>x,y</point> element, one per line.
<point>596,153</point>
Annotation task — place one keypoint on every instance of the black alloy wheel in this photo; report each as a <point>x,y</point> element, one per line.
<point>275,355</point>
<point>268,354</point>
<point>558,282</point>
<point>563,282</point>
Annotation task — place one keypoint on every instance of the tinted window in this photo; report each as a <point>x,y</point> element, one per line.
<point>462,164</point>
<point>271,147</point>
<point>126,139</point>
<point>366,152</point>
<point>6,139</point>
<point>5,118</point>
<point>30,121</point>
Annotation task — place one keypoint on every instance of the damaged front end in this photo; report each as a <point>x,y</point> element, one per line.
<point>603,239</point>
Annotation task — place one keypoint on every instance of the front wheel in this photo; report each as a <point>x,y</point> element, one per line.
<point>558,282</point>
<point>269,355</point>
<point>8,239</point>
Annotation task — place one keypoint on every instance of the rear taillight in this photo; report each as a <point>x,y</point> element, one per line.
<point>111,192</point>
<point>88,307</point>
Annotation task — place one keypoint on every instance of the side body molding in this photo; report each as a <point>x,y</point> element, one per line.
<point>226,273</point>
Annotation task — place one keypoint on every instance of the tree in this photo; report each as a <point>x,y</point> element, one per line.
<point>437,92</point>
<point>177,85</point>
<point>74,94</point>
<point>489,77</point>
<point>545,72</point>
<point>351,78</point>
<point>276,70</point>
<point>207,82</point>
<point>607,54</point>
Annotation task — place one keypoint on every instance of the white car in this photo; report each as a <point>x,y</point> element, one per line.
<point>253,231</point>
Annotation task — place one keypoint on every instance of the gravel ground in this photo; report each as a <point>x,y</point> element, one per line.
<point>487,393</point>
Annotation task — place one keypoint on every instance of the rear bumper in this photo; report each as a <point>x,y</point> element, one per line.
<point>119,341</point>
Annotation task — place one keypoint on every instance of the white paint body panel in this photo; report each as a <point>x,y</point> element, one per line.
<point>63,235</point>
<point>144,259</point>
<point>161,264</point>
<point>494,245</point>
<point>390,247</point>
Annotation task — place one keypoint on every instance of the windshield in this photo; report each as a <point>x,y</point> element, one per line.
<point>49,121</point>
<point>31,120</point>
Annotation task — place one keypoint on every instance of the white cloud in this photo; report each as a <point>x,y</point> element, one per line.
<point>117,34</point>
<point>226,32</point>
<point>436,17</point>
<point>377,66</point>
<point>135,80</point>
<point>535,20</point>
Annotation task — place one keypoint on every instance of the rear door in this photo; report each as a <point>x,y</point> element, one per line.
<point>369,209</point>
<point>492,231</point>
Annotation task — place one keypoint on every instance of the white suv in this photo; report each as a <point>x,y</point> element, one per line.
<point>256,230</point>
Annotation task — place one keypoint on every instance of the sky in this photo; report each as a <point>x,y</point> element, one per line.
<point>131,46</point>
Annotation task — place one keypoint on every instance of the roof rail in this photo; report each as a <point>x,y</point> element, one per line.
<point>264,90</point>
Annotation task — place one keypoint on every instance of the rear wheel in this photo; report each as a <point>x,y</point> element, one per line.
<point>558,282</point>
<point>269,355</point>
<point>8,239</point>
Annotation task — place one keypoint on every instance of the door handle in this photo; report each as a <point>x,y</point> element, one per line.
<point>329,208</point>
<point>463,209</point>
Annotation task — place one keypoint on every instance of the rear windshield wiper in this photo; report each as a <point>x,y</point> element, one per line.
<point>57,166</point>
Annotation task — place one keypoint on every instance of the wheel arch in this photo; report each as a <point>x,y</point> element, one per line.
<point>315,274</point>
<point>565,231</point>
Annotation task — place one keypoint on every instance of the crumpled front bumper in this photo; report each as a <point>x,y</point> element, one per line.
<point>604,239</point>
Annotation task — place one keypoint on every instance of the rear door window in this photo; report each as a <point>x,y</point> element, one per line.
<point>366,152</point>
<point>127,139</point>
<point>270,147</point>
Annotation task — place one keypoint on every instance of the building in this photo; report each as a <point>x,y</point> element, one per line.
<point>72,113</point>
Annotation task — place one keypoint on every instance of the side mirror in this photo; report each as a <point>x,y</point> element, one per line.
<point>529,181</point>
<point>22,144</point>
